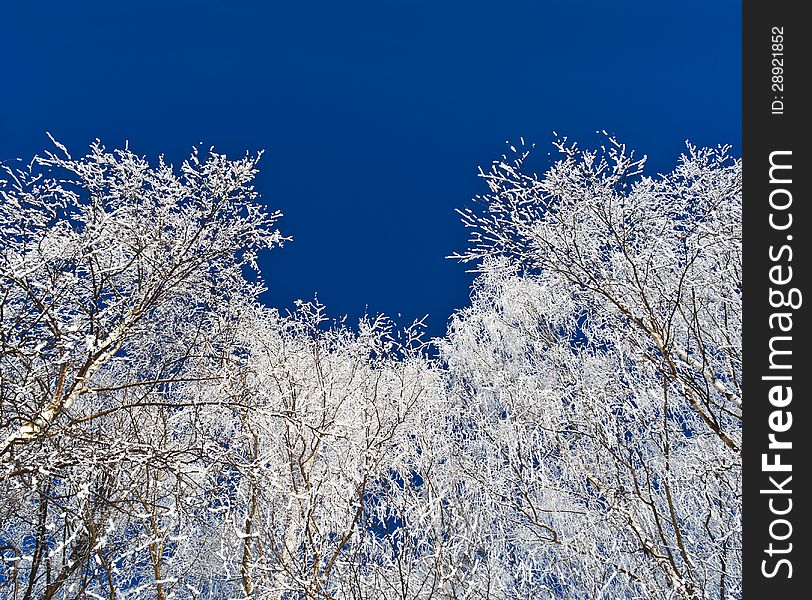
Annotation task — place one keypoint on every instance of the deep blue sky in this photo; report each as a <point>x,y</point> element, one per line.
<point>374,114</point>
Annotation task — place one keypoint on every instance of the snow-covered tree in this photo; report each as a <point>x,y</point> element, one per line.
<point>599,368</point>
<point>119,284</point>
<point>165,436</point>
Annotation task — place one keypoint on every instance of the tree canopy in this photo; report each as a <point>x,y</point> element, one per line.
<point>576,433</point>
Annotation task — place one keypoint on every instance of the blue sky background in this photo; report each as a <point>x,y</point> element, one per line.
<point>374,114</point>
